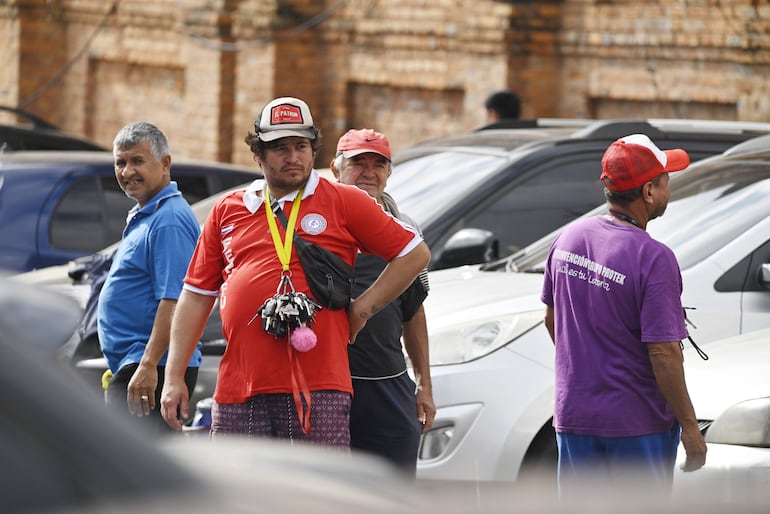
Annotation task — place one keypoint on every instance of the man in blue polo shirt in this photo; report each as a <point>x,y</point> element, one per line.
<point>141,290</point>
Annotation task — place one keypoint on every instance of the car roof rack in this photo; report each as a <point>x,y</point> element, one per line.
<point>525,123</point>
<point>750,146</point>
<point>607,129</point>
<point>660,128</point>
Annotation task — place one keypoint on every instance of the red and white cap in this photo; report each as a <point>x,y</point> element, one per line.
<point>634,160</point>
<point>284,117</point>
<point>358,141</point>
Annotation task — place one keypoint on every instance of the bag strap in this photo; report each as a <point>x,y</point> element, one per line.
<point>281,216</point>
<point>276,208</point>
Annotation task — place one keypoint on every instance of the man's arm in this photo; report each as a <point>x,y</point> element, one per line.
<point>416,345</point>
<point>145,378</point>
<point>394,279</point>
<point>549,323</point>
<point>187,325</point>
<point>666,359</point>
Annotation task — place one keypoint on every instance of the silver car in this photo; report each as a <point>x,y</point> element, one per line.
<point>492,358</point>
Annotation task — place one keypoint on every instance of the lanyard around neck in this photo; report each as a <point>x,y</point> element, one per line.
<point>283,249</point>
<point>625,217</point>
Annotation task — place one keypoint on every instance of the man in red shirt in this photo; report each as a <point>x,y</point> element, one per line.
<point>266,385</point>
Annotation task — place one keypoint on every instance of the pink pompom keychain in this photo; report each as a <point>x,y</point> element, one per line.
<point>303,339</point>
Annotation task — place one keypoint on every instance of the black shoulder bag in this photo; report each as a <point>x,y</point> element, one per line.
<point>330,278</point>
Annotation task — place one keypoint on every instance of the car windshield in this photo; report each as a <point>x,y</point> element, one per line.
<point>421,186</point>
<point>710,205</point>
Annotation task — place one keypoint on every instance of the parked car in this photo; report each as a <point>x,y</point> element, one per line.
<point>34,133</point>
<point>57,206</point>
<point>731,396</point>
<point>64,452</point>
<point>557,163</point>
<point>76,279</point>
<point>492,358</point>
<point>486,194</point>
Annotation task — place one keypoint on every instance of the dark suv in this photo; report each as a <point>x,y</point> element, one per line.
<point>485,194</point>
<point>57,206</point>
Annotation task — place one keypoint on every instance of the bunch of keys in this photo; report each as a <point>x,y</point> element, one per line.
<point>287,310</point>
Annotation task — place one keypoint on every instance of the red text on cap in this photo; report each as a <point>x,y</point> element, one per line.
<point>285,114</point>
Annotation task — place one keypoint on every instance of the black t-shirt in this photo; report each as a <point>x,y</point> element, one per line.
<point>377,351</point>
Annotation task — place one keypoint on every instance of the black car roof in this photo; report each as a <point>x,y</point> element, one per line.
<point>554,131</point>
<point>67,158</point>
<point>503,140</point>
<point>35,133</point>
<point>14,138</point>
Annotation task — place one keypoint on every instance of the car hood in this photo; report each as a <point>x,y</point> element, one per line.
<point>22,307</point>
<point>467,293</point>
<point>278,476</point>
<point>56,278</point>
<point>737,370</point>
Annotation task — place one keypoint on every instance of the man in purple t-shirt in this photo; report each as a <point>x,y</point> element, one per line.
<point>615,315</point>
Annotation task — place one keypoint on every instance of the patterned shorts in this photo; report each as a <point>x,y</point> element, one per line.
<point>275,415</point>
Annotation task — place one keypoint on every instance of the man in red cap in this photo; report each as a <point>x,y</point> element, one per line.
<point>388,412</point>
<point>614,312</point>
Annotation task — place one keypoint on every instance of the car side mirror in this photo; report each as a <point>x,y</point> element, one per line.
<point>468,246</point>
<point>764,275</point>
<point>79,268</point>
<point>746,423</point>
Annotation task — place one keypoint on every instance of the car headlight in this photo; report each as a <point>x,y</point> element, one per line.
<point>746,423</point>
<point>464,342</point>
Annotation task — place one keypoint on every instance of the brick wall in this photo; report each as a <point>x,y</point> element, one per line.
<point>414,69</point>
<point>9,60</point>
<point>42,51</point>
<point>707,59</point>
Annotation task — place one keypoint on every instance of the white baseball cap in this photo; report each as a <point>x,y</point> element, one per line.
<point>285,117</point>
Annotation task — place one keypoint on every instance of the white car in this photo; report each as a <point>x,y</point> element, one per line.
<point>492,358</point>
<point>731,396</point>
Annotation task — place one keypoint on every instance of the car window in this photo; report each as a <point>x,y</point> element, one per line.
<point>92,213</point>
<point>231,181</point>
<point>711,204</point>
<point>77,223</point>
<point>117,205</point>
<point>193,188</point>
<point>521,213</point>
<point>710,208</point>
<point>424,186</point>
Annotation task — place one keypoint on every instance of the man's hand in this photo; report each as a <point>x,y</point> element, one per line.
<point>141,390</point>
<point>695,447</point>
<point>175,406</point>
<point>426,409</point>
<point>666,359</point>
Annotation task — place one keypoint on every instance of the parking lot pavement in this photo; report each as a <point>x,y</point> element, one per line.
<point>540,497</point>
<point>487,497</point>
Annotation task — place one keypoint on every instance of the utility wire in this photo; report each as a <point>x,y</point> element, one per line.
<point>54,81</point>
<point>306,25</point>
<point>203,41</point>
